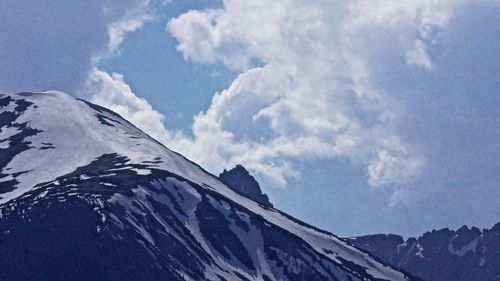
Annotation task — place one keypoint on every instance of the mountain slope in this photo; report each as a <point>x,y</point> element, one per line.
<point>467,254</point>
<point>85,195</point>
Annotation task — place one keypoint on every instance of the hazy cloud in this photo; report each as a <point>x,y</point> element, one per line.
<point>52,45</point>
<point>132,20</point>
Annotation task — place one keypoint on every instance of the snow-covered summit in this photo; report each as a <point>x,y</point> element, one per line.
<point>73,172</point>
<point>59,133</point>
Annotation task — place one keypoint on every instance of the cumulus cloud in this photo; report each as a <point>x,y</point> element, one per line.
<point>306,82</point>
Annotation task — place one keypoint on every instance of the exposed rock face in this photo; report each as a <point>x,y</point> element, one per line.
<point>467,254</point>
<point>240,180</point>
<point>382,245</point>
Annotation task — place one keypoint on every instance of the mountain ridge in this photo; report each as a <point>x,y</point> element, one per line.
<point>465,254</point>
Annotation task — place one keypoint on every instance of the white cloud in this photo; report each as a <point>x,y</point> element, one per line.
<point>306,82</point>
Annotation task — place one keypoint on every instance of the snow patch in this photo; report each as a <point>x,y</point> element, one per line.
<point>464,249</point>
<point>420,250</point>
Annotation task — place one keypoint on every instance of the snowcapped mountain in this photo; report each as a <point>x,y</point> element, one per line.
<point>85,195</point>
<point>467,254</point>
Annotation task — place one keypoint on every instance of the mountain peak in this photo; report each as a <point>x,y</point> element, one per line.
<point>50,134</point>
<point>241,181</point>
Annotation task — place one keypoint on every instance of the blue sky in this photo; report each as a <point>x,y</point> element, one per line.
<point>357,116</point>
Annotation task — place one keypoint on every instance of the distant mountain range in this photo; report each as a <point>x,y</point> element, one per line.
<point>85,195</point>
<point>467,254</point>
